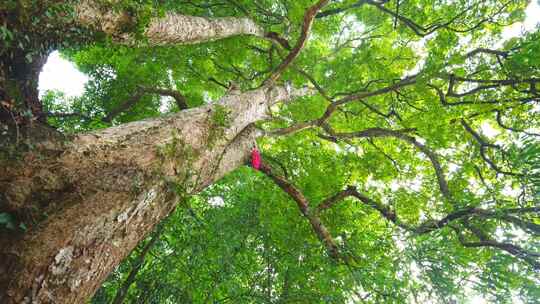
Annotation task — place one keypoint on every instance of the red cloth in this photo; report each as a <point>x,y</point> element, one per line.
<point>255,159</point>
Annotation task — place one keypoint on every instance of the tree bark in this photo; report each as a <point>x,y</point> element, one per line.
<point>102,192</point>
<point>167,30</point>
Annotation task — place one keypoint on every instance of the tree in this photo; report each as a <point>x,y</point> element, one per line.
<point>372,117</point>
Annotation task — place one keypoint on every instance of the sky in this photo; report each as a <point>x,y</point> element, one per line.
<point>532,18</point>
<point>60,74</point>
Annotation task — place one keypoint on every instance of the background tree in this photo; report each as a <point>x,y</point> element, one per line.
<point>380,181</point>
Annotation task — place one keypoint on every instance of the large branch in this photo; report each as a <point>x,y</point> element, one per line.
<point>406,81</point>
<point>136,97</point>
<point>67,115</point>
<point>124,106</point>
<point>514,250</point>
<point>303,204</point>
<point>400,134</point>
<point>169,29</point>
<point>419,29</point>
<point>306,27</point>
<point>487,84</point>
<point>352,191</point>
<point>462,216</point>
<point>180,99</point>
<point>483,147</point>
<point>474,212</point>
<point>339,10</point>
<point>485,241</point>
<point>512,100</point>
<point>312,214</point>
<point>476,51</point>
<point>482,85</point>
<point>499,120</point>
<point>431,225</point>
<point>334,105</point>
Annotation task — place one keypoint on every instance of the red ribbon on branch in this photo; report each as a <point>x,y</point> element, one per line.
<point>255,159</point>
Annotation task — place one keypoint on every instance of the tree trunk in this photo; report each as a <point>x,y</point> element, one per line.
<point>94,197</point>
<point>19,76</point>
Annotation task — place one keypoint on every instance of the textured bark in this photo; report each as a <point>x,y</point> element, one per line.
<point>170,29</point>
<point>104,191</point>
